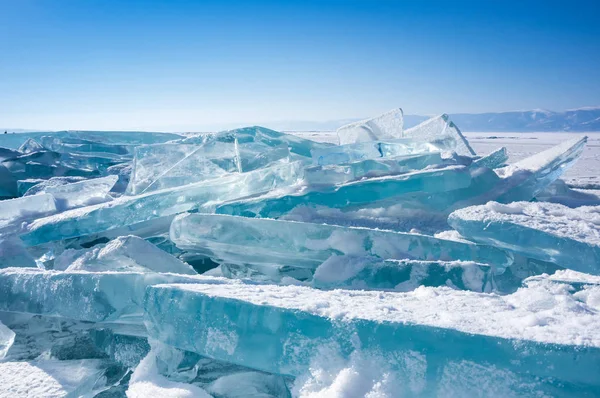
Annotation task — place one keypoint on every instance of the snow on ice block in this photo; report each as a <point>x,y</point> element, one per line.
<point>369,273</point>
<point>545,231</point>
<point>440,131</point>
<point>123,254</point>
<point>51,378</point>
<point>387,126</point>
<point>542,336</point>
<point>355,193</point>
<point>26,208</point>
<point>241,240</point>
<point>124,211</point>
<point>83,296</point>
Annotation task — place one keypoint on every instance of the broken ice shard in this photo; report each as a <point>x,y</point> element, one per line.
<point>254,140</point>
<point>83,296</point>
<point>560,192</point>
<point>240,240</point>
<point>7,338</point>
<point>493,160</point>
<point>281,329</point>
<point>524,179</point>
<point>545,231</point>
<point>124,211</point>
<point>30,146</point>
<point>13,210</point>
<point>371,273</point>
<point>123,254</point>
<point>442,133</point>
<point>81,193</point>
<point>387,126</point>
<point>163,166</point>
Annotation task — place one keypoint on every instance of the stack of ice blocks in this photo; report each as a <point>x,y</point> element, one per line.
<point>253,263</point>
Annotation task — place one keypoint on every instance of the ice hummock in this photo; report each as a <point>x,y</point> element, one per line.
<point>338,273</point>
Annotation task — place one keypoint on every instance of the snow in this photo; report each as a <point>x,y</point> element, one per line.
<point>544,313</point>
<point>581,224</point>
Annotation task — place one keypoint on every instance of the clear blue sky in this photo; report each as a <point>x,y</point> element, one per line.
<point>172,65</point>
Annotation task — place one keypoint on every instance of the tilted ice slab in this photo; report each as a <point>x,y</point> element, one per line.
<point>356,193</point>
<point>125,211</point>
<point>546,231</point>
<point>342,173</point>
<point>348,153</point>
<point>170,165</point>
<point>524,179</point>
<point>163,166</point>
<point>440,131</point>
<point>255,139</point>
<point>387,126</point>
<point>123,254</point>
<point>81,193</point>
<point>493,159</point>
<point>83,296</point>
<point>12,210</point>
<point>368,273</point>
<point>542,335</point>
<point>30,146</point>
<point>38,185</point>
<point>241,240</point>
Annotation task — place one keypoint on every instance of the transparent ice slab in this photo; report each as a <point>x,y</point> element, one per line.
<point>387,126</point>
<point>281,329</point>
<point>79,193</point>
<point>353,194</point>
<point>369,273</point>
<point>83,296</point>
<point>13,210</point>
<point>123,254</point>
<point>441,132</point>
<point>163,166</point>
<point>545,231</point>
<point>348,153</point>
<point>343,173</point>
<point>240,240</point>
<point>30,146</point>
<point>124,211</point>
<point>493,160</point>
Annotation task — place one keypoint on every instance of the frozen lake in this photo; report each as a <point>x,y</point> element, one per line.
<point>585,173</point>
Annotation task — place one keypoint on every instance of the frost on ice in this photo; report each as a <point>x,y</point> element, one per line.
<point>254,263</point>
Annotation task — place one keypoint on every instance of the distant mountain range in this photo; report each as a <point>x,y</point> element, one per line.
<point>537,120</point>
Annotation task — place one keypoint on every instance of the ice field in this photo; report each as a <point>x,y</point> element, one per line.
<point>373,261</point>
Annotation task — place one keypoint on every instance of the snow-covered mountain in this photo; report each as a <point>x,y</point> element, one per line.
<point>583,119</point>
